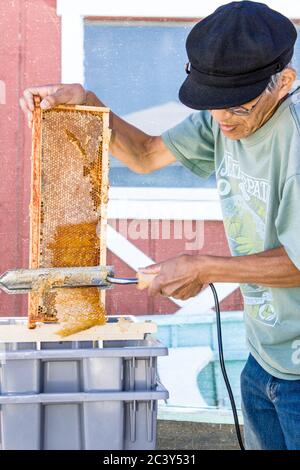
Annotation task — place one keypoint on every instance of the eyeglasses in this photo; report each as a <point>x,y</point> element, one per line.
<point>241,111</point>
<point>237,110</point>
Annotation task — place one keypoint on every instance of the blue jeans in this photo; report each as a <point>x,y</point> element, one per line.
<point>271,409</point>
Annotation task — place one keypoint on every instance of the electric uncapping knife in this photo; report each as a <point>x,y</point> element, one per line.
<point>24,281</point>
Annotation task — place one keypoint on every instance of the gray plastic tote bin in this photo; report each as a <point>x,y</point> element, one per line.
<point>78,395</point>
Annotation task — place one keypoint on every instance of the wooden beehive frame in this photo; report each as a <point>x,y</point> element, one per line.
<point>35,260</point>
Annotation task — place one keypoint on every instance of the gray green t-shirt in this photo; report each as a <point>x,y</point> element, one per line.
<point>258,180</point>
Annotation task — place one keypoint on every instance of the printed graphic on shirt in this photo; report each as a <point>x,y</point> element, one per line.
<point>244,200</point>
<point>296,353</point>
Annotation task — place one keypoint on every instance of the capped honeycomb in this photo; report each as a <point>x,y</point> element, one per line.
<point>69,195</point>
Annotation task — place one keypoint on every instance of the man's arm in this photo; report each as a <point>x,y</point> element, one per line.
<point>183,276</point>
<point>139,151</point>
<point>272,268</point>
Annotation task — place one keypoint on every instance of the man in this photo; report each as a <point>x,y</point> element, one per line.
<point>247,130</point>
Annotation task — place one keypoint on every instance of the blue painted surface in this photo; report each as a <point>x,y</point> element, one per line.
<point>135,66</point>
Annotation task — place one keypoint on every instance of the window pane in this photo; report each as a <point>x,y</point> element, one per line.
<point>136,68</point>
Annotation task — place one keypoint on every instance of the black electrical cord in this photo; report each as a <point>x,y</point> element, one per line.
<point>223,369</point>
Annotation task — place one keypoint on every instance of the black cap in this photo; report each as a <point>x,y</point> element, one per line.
<point>233,53</point>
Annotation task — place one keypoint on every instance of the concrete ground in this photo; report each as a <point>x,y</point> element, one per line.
<point>184,435</point>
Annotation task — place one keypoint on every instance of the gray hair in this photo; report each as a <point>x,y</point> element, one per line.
<point>274,80</point>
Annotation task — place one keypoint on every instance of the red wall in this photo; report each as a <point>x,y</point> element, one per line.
<point>30,55</point>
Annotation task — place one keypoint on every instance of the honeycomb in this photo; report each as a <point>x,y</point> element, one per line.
<point>68,210</point>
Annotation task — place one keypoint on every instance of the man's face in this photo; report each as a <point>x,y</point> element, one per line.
<point>238,127</point>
